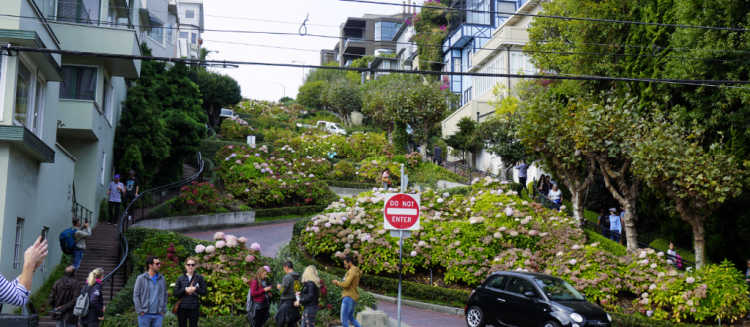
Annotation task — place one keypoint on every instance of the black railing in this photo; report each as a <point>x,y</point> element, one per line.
<point>123,222</point>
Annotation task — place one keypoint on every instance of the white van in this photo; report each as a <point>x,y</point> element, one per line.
<point>330,127</point>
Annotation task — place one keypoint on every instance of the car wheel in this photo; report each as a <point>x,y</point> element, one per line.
<point>551,323</point>
<point>475,317</point>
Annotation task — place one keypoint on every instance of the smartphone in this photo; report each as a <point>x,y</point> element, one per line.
<point>44,232</point>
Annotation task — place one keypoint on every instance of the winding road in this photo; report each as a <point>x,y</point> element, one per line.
<point>274,236</point>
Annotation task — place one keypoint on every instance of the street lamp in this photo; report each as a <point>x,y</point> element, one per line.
<point>303,69</point>
<point>283,89</point>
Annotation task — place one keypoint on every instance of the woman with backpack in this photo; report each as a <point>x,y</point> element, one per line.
<point>258,302</point>
<point>93,288</point>
<point>308,297</point>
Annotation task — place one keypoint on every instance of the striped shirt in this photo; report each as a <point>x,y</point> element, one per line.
<point>13,292</point>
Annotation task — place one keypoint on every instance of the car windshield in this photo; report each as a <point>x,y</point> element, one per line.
<point>558,290</point>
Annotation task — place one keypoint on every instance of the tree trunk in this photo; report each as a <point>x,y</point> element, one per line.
<point>625,191</point>
<point>696,222</point>
<point>576,199</point>
<point>628,222</point>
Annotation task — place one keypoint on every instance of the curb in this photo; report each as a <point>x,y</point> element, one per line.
<point>421,305</point>
<point>259,223</point>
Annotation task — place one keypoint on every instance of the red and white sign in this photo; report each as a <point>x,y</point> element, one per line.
<point>401,211</point>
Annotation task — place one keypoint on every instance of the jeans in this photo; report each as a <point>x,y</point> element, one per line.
<point>114,211</point>
<point>150,320</point>
<point>77,257</point>
<point>188,316</point>
<point>347,312</point>
<point>614,235</point>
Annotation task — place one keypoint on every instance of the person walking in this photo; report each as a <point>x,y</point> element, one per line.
<point>258,299</point>
<point>80,236</point>
<point>555,195</point>
<point>17,292</point>
<point>308,297</point>
<point>188,289</point>
<point>522,170</point>
<point>132,189</point>
<point>96,302</point>
<point>150,295</point>
<point>62,298</point>
<point>349,292</point>
<point>615,226</point>
<point>288,314</point>
<point>115,192</point>
<point>385,178</point>
<point>603,223</point>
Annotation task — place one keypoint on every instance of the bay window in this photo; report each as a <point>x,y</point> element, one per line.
<point>79,83</point>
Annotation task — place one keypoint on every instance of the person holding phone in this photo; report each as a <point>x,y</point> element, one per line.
<point>187,290</point>
<point>17,292</point>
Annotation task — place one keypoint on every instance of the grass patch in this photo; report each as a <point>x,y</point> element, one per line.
<point>605,243</point>
<point>430,173</point>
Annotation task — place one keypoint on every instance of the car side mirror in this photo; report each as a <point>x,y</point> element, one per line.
<point>530,294</point>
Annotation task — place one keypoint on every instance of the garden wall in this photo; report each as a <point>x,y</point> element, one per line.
<point>180,223</point>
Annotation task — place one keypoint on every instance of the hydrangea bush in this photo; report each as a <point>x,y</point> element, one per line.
<point>464,237</point>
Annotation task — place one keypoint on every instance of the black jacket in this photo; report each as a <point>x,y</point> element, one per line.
<point>63,295</point>
<point>190,301</point>
<point>96,304</point>
<point>309,295</point>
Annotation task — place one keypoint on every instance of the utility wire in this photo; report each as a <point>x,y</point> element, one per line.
<point>691,58</point>
<point>597,20</point>
<point>712,83</point>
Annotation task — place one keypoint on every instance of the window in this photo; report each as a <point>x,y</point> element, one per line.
<point>79,83</point>
<point>385,31</point>
<point>36,123</point>
<point>103,168</point>
<point>78,11</point>
<point>189,13</point>
<point>156,31</point>
<point>17,255</point>
<point>170,32</point>
<point>107,99</point>
<point>519,286</point>
<point>480,12</point>
<point>504,7</point>
<point>23,95</point>
<point>496,282</point>
<point>194,38</point>
<point>184,35</point>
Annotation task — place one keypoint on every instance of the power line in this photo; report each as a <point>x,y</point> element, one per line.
<point>692,58</point>
<point>711,83</point>
<point>597,20</point>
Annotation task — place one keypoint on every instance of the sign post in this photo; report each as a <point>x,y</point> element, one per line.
<point>401,215</point>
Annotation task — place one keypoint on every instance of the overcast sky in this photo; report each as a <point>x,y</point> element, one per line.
<point>270,83</point>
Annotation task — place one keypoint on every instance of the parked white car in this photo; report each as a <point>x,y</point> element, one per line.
<point>330,127</point>
<point>226,113</point>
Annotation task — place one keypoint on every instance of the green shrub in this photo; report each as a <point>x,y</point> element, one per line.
<point>122,302</point>
<point>289,211</point>
<point>639,320</point>
<point>663,245</point>
<point>343,170</point>
<point>235,128</point>
<point>605,243</point>
<point>430,173</point>
<point>130,319</point>
<point>351,184</point>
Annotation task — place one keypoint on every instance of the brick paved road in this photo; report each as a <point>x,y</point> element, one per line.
<point>273,237</point>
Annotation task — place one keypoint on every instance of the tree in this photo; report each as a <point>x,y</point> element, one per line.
<point>499,132</point>
<point>671,158</point>
<point>286,101</point>
<point>421,104</point>
<point>467,138</point>
<point>343,97</point>
<point>310,94</point>
<point>217,91</point>
<point>545,127</point>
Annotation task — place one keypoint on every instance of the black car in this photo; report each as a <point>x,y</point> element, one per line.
<point>529,299</point>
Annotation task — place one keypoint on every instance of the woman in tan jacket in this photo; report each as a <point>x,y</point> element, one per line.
<point>349,292</point>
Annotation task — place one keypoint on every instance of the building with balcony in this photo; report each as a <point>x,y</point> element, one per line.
<point>327,56</point>
<point>406,48</point>
<point>58,115</point>
<point>501,53</point>
<point>159,22</point>
<point>191,27</point>
<point>362,36</point>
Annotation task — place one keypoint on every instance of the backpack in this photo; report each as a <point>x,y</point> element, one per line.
<point>68,241</point>
<point>81,308</point>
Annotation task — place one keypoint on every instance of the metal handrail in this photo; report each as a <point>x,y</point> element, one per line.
<point>122,222</point>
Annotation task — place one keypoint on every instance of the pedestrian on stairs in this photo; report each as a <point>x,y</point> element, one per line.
<point>115,193</point>
<point>96,301</point>
<point>150,295</point>
<point>63,298</point>
<point>17,292</point>
<point>80,236</point>
<point>187,290</point>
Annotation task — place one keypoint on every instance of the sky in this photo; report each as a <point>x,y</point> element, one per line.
<point>271,83</point>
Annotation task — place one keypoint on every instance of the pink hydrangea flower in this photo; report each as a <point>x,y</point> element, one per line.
<point>210,249</point>
<point>200,248</point>
<point>232,243</point>
<point>218,236</point>
<point>249,258</point>
<point>220,244</point>
<point>413,253</point>
<point>255,246</point>
<point>242,239</point>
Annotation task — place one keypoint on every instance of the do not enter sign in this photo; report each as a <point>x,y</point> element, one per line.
<point>401,211</point>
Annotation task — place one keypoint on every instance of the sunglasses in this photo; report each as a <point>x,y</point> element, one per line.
<point>190,264</point>
<point>157,263</point>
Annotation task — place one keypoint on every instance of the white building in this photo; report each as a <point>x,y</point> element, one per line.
<point>502,53</point>
<point>190,28</point>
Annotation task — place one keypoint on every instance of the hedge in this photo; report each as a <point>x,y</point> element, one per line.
<point>605,243</point>
<point>639,320</point>
<point>350,184</point>
<point>130,319</point>
<point>384,285</point>
<point>289,211</point>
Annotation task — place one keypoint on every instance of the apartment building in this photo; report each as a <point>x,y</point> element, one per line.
<point>363,36</point>
<point>191,27</point>
<point>501,53</point>
<point>58,114</point>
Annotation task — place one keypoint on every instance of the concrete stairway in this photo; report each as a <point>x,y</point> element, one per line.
<point>102,250</point>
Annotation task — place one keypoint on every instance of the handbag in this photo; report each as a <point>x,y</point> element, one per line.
<point>176,305</point>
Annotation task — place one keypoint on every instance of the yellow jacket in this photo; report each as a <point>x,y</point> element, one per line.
<point>350,283</point>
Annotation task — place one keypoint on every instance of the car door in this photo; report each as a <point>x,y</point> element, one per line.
<point>494,300</point>
<point>524,310</point>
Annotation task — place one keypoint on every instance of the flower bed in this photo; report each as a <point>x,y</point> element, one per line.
<point>235,128</point>
<point>464,237</point>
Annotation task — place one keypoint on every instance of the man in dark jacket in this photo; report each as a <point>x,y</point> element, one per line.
<point>288,314</point>
<point>188,289</point>
<point>62,298</point>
